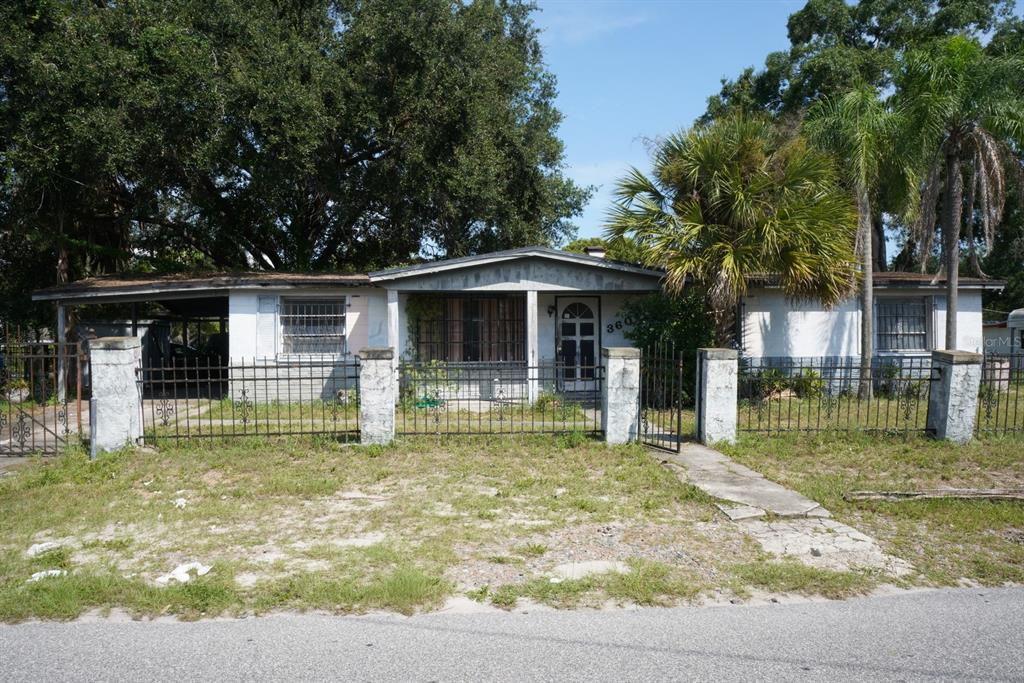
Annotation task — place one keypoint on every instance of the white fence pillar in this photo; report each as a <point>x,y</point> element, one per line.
<point>376,396</point>
<point>716,395</point>
<point>116,405</point>
<point>620,394</point>
<point>953,395</point>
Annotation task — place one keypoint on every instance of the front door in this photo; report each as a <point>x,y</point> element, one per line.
<point>578,341</point>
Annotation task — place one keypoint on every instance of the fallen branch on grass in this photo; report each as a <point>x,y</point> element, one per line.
<point>926,494</point>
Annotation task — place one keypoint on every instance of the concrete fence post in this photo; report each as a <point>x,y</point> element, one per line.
<point>116,407</point>
<point>376,396</point>
<point>620,394</point>
<point>716,395</point>
<point>953,395</point>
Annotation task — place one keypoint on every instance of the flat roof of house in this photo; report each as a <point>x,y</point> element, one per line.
<point>510,255</point>
<point>188,285</point>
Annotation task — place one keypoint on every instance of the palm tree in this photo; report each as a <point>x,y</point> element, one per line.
<point>735,199</point>
<point>968,109</point>
<point>860,131</point>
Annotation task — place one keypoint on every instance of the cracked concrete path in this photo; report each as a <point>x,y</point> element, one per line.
<point>805,531</point>
<point>717,475</point>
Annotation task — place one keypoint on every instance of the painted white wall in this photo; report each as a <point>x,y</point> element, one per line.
<point>969,334</point>
<point>365,319</point>
<point>775,326</point>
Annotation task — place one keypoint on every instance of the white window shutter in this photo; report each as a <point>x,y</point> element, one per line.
<point>266,327</point>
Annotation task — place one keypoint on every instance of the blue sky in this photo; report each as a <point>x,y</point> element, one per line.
<point>637,69</point>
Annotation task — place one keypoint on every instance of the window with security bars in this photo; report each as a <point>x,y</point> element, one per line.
<point>313,326</point>
<point>902,324</point>
<point>466,329</point>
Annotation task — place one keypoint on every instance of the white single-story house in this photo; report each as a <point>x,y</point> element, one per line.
<point>528,306</point>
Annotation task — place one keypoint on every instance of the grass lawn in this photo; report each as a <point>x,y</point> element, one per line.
<point>298,524</point>
<point>945,540</point>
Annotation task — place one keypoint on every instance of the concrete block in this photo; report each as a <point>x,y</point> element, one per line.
<point>376,396</point>
<point>620,394</point>
<point>953,395</point>
<point>716,395</point>
<point>116,403</point>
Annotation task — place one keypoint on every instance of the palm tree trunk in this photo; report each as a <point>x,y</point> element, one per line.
<point>867,300</point>
<point>951,237</point>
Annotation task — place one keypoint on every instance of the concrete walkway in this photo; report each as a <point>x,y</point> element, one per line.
<point>718,476</point>
<point>800,528</point>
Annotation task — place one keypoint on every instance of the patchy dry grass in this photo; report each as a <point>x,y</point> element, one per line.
<point>316,525</point>
<point>945,540</point>
<point>794,577</point>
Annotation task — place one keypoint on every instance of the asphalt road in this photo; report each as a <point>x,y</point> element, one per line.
<point>951,634</point>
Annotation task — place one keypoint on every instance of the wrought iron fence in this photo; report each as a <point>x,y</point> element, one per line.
<point>811,395</point>
<point>498,398</point>
<point>663,391</point>
<point>41,397</point>
<point>207,399</point>
<point>1001,394</point>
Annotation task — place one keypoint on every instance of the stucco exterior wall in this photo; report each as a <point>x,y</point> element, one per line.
<point>773,326</point>
<point>365,320</point>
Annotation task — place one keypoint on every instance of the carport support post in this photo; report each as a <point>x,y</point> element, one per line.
<point>716,395</point>
<point>116,405</point>
<point>953,395</point>
<point>376,396</point>
<point>620,394</point>
<point>62,361</point>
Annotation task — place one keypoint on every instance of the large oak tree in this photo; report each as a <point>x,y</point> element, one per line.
<point>310,134</point>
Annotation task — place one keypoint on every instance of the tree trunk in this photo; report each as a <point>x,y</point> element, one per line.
<point>878,242</point>
<point>867,301</point>
<point>951,237</point>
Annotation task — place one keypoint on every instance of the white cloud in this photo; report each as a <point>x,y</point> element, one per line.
<point>574,23</point>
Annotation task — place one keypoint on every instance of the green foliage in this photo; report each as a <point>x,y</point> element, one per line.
<point>325,134</point>
<point>735,199</point>
<point>835,45</point>
<point>618,249</point>
<point>807,383</point>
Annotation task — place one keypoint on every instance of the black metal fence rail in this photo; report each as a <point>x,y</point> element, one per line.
<point>40,397</point>
<point>811,395</point>
<point>663,391</point>
<point>1001,394</point>
<point>446,398</point>
<point>207,399</point>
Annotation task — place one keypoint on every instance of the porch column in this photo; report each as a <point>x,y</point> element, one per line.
<point>532,356</point>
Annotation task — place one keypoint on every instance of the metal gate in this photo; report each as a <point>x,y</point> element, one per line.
<point>662,393</point>
<point>40,397</point>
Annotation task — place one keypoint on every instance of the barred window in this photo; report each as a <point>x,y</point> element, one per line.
<point>313,326</point>
<point>902,324</point>
<point>472,328</point>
